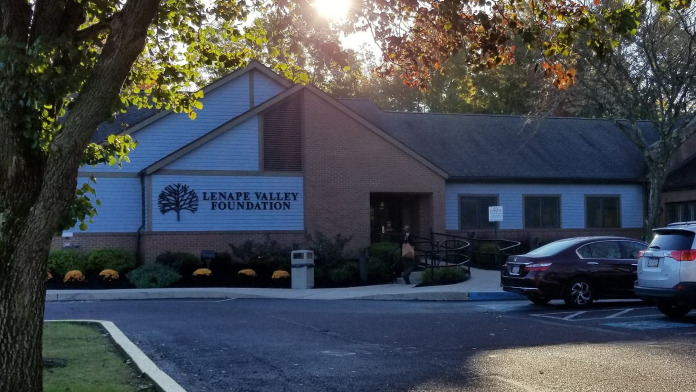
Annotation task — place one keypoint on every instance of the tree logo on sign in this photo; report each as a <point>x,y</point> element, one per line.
<point>177,197</point>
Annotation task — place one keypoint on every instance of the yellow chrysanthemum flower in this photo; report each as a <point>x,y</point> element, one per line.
<point>74,276</point>
<point>109,274</point>
<point>248,272</point>
<point>280,274</point>
<point>202,272</point>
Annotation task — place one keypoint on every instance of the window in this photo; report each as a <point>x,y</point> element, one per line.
<point>473,212</point>
<point>681,212</point>
<point>600,250</point>
<point>602,212</point>
<point>542,212</point>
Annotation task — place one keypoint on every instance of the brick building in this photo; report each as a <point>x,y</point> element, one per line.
<point>265,157</point>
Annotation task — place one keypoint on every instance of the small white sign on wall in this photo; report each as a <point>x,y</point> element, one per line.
<point>495,213</point>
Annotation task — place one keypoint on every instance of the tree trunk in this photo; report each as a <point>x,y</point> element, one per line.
<point>24,246</point>
<point>657,175</point>
<point>22,304</point>
<point>37,188</point>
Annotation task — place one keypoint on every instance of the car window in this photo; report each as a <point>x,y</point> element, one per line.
<point>552,248</point>
<point>600,250</point>
<point>672,240</point>
<point>630,249</point>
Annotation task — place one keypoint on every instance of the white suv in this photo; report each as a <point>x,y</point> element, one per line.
<point>667,270</point>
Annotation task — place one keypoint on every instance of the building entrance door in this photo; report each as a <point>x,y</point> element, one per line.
<point>391,214</point>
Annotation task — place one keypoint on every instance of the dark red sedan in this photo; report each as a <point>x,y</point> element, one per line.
<point>577,270</point>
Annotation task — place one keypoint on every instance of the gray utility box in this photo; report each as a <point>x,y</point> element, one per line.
<point>302,263</point>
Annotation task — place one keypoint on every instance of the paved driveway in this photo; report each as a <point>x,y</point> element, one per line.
<point>306,346</point>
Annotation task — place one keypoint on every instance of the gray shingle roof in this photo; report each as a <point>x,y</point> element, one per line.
<point>515,148</point>
<point>121,122</point>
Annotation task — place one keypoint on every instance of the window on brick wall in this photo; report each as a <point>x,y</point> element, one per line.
<point>602,212</point>
<point>684,211</point>
<point>282,142</point>
<point>473,212</point>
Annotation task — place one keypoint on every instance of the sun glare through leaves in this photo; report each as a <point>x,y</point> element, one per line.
<point>334,10</point>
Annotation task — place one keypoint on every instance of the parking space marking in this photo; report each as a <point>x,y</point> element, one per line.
<point>504,307</point>
<point>649,324</point>
<point>587,315</point>
<point>621,313</point>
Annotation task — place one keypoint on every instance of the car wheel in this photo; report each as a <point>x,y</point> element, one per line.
<point>673,310</point>
<point>579,293</point>
<point>538,299</point>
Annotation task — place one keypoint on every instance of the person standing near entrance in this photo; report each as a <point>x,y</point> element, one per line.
<point>408,257</point>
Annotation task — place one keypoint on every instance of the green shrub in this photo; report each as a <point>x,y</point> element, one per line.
<point>328,249</point>
<point>488,247</point>
<point>269,252</point>
<point>345,274</point>
<point>382,263</point>
<point>110,258</point>
<point>445,275</point>
<point>64,260</point>
<point>153,276</point>
<point>182,262</point>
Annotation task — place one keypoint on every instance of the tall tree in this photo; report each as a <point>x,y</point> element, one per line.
<point>648,76</point>
<point>66,66</point>
<point>624,45</point>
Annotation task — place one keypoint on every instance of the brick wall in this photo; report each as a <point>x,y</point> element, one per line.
<point>344,162</point>
<point>156,243</point>
<point>89,241</point>
<point>541,237</point>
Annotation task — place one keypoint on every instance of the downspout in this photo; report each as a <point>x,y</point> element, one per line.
<point>138,254</point>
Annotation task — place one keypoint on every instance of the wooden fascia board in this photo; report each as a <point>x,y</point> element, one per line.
<point>219,130</point>
<point>253,66</point>
<point>378,131</point>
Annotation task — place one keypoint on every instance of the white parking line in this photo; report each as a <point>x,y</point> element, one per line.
<point>649,324</point>
<point>588,315</point>
<point>574,315</point>
<point>621,313</point>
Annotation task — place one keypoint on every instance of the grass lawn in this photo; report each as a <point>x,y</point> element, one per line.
<point>80,357</point>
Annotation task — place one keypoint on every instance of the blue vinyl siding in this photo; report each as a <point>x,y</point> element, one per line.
<point>510,196</point>
<point>176,130</point>
<point>265,88</point>
<point>210,216</point>
<point>236,149</point>
<point>121,208</point>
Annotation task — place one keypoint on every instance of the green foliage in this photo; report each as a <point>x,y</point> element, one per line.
<point>64,260</point>
<point>488,247</point>
<point>153,276</point>
<point>110,258</point>
<point>328,249</point>
<point>182,262</point>
<point>347,273</point>
<point>382,257</point>
<point>445,275</point>
<point>222,263</point>
<point>269,253</point>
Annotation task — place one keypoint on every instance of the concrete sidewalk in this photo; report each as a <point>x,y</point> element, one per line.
<point>483,285</point>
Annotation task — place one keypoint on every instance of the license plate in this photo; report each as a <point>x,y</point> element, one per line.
<point>515,269</point>
<point>653,262</point>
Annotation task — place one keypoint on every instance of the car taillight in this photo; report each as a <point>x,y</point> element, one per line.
<point>682,255</point>
<point>538,267</point>
<point>641,253</point>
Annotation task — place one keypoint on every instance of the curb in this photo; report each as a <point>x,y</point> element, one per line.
<point>161,379</point>
<point>154,294</point>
